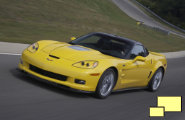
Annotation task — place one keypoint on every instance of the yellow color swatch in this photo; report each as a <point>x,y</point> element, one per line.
<point>156,111</point>
<point>171,104</point>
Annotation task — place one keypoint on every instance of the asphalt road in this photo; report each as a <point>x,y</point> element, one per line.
<point>25,98</point>
<point>136,13</point>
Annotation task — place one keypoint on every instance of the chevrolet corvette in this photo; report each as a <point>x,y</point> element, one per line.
<point>97,62</point>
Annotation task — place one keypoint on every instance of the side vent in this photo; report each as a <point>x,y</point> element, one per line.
<point>149,74</point>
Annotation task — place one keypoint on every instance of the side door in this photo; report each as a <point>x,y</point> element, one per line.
<point>137,69</point>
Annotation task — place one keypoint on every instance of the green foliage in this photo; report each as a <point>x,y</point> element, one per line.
<point>170,10</point>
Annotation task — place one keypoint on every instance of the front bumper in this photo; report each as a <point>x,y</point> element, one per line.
<point>65,68</point>
<point>53,83</point>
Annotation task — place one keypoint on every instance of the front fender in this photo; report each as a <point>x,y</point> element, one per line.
<point>44,43</point>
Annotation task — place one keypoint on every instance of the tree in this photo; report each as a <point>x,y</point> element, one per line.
<point>170,10</point>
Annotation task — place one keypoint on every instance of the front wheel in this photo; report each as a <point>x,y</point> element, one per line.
<point>156,80</point>
<point>105,84</point>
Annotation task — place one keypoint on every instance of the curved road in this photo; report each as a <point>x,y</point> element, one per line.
<point>136,13</point>
<point>25,98</point>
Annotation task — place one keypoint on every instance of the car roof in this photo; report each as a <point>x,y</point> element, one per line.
<point>132,42</point>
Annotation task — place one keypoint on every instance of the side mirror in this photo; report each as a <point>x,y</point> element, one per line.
<point>139,58</point>
<point>72,38</point>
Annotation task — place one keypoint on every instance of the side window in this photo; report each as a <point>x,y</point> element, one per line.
<point>138,50</point>
<point>146,51</point>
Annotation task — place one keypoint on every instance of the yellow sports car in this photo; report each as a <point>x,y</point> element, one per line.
<point>96,62</point>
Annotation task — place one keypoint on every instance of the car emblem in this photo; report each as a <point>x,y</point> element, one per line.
<point>49,59</point>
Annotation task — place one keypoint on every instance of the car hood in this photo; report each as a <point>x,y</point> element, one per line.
<point>74,52</point>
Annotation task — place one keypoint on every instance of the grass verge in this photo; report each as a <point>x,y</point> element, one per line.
<point>28,21</point>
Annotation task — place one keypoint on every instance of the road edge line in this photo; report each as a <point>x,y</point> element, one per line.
<point>10,54</point>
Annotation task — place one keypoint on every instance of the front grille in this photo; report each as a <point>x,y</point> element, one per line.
<point>47,73</point>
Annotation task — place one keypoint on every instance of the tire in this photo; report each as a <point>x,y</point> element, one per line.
<point>156,80</point>
<point>106,84</point>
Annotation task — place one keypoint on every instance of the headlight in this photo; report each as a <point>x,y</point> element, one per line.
<point>88,64</point>
<point>33,48</point>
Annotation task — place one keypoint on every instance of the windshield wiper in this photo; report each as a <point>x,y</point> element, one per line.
<point>103,52</point>
<point>107,53</point>
<point>71,43</point>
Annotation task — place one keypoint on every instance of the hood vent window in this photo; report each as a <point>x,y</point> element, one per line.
<point>54,56</point>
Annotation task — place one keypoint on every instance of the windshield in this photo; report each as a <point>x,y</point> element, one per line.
<point>104,44</point>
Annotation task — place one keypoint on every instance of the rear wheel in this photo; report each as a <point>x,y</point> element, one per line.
<point>106,84</point>
<point>156,80</point>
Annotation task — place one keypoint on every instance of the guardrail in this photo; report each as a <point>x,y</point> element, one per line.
<point>140,23</point>
<point>180,29</point>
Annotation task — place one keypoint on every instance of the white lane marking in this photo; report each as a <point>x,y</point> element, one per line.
<point>9,54</point>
